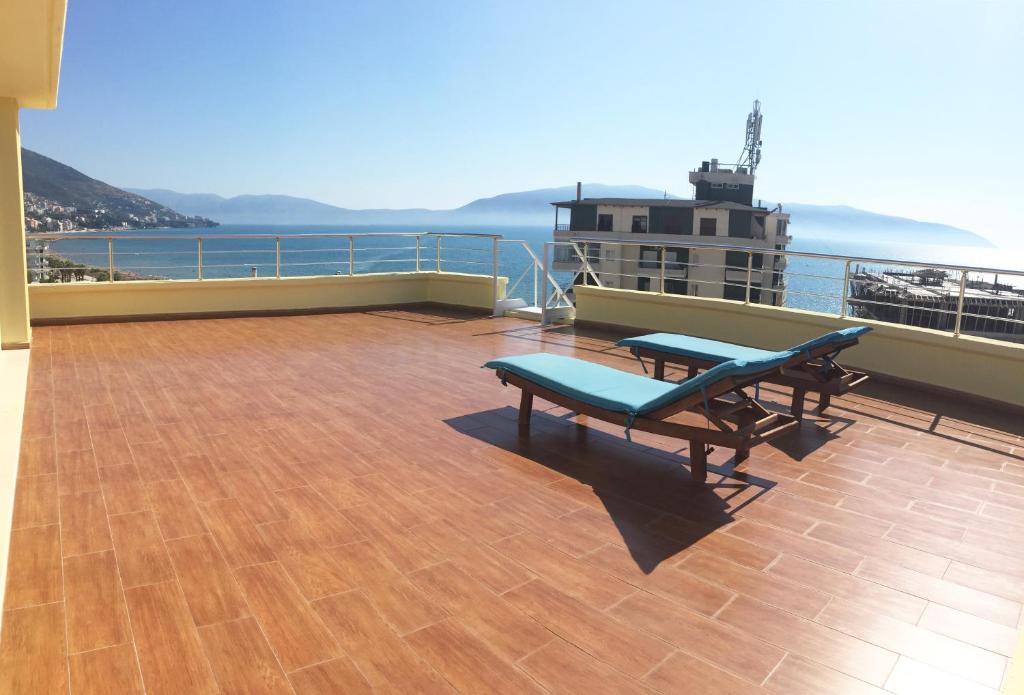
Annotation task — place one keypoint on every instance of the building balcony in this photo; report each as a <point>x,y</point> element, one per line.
<point>291,496</point>
<point>294,496</point>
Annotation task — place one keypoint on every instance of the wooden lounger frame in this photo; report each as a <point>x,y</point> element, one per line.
<point>753,424</point>
<point>804,373</point>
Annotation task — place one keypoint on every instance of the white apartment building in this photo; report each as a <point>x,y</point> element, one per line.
<point>721,214</point>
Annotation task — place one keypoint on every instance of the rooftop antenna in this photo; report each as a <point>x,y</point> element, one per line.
<point>751,155</point>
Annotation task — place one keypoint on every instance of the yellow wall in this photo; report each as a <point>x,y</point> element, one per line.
<point>987,368</point>
<point>151,297</point>
<point>14,328</point>
<point>14,380</point>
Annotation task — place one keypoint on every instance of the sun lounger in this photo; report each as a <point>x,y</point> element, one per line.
<point>812,367</point>
<point>640,403</point>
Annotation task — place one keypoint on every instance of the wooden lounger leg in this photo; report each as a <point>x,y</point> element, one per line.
<point>824,402</point>
<point>659,369</point>
<point>525,409</point>
<point>698,462</point>
<point>798,403</point>
<point>691,372</point>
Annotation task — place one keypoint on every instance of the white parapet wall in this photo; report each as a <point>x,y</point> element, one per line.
<point>989,369</point>
<point>83,301</point>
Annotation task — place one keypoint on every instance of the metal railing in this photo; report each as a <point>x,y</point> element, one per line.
<point>83,257</point>
<point>954,298</point>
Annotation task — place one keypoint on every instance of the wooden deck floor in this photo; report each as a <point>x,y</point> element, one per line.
<point>341,503</point>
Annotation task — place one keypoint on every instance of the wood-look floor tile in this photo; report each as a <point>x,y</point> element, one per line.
<point>803,601</point>
<point>35,501</point>
<point>897,604</point>
<point>361,564</point>
<point>94,602</point>
<point>381,656</point>
<point>587,583</point>
<point>733,649</point>
<point>83,524</point>
<point>600,635</point>
<point>258,501</point>
<point>799,676</point>
<point>956,657</point>
<point>404,606</point>
<point>176,512</point>
<point>242,660</point>
<point>34,567</point>
<point>77,472</point>
<point>978,603</point>
<point>141,554</point>
<point>507,630</point>
<point>38,456</point>
<point>295,632</point>
<point>32,656</point>
<point>123,490</point>
<point>235,533</point>
<point>168,644</point>
<point>914,678</point>
<point>111,448</point>
<point>562,668</point>
<point>326,524</point>
<point>684,674</point>
<point>968,628</point>
<point>209,587</point>
<point>203,480</point>
<point>106,671</point>
<point>329,678</point>
<point>467,662</point>
<point>824,645</point>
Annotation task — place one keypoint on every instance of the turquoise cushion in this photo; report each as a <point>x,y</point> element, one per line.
<point>718,351</point>
<point>835,337</point>
<point>698,348</point>
<point>618,391</point>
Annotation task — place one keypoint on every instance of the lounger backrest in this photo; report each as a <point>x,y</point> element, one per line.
<point>704,381</point>
<point>846,335</point>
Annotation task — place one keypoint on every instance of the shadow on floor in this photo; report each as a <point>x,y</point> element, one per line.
<point>647,493</point>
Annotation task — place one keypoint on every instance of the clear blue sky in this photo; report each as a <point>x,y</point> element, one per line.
<point>913,108</point>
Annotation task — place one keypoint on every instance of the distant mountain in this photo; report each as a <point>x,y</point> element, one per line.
<point>59,197</point>
<point>533,208</point>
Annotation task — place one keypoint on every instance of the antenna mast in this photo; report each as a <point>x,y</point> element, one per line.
<point>751,155</point>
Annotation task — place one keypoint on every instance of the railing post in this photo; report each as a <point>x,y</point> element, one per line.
<point>110,258</point>
<point>534,262</point>
<point>494,273</point>
<point>199,257</point>
<point>750,273</point>
<point>277,257</point>
<point>439,254</point>
<point>351,256</point>
<point>846,290</point>
<point>661,279</point>
<point>417,253</point>
<point>960,303</point>
<point>544,292</point>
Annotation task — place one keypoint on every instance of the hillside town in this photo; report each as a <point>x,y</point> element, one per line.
<point>45,215</point>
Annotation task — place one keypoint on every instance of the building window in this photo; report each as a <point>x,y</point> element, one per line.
<point>604,223</point>
<point>649,257</point>
<point>780,226</point>
<point>716,185</point>
<point>708,226</point>
<point>733,186</point>
<point>737,260</point>
<point>643,284</point>
<point>738,292</point>
<point>675,286</point>
<point>639,224</point>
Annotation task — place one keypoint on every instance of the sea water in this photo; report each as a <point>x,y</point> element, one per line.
<point>230,251</point>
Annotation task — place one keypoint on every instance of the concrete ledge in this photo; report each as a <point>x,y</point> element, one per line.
<point>170,299</point>
<point>988,369</point>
